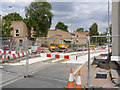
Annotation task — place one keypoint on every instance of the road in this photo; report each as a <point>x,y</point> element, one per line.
<point>51,76</point>
<point>44,74</point>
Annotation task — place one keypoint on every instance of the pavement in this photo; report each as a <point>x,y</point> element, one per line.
<point>100,82</point>
<point>83,59</point>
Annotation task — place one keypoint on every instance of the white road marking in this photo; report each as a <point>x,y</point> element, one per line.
<point>53,79</point>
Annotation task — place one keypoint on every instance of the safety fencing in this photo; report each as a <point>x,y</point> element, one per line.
<point>48,48</point>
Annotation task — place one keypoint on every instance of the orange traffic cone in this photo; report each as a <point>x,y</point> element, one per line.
<point>71,80</point>
<point>78,82</point>
<point>3,58</point>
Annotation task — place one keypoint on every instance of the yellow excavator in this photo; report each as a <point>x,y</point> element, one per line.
<point>58,47</point>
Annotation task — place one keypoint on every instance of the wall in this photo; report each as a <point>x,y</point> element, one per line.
<point>115,30</point>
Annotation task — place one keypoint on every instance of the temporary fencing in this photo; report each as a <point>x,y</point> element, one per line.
<point>65,48</point>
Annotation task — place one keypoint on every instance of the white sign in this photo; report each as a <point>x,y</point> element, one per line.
<point>115,58</point>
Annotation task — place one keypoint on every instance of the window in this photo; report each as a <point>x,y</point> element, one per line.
<point>17,33</point>
<point>20,42</point>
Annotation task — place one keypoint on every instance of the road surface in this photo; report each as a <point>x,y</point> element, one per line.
<point>51,76</point>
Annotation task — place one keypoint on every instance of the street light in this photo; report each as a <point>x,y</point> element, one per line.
<point>13,25</point>
<point>108,32</point>
<point>72,31</point>
<point>75,17</point>
<point>13,18</point>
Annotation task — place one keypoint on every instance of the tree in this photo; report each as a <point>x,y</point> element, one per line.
<point>10,17</point>
<point>39,17</point>
<point>62,26</point>
<point>0,28</point>
<point>80,29</point>
<point>6,29</point>
<point>104,39</point>
<point>94,31</point>
<point>29,24</point>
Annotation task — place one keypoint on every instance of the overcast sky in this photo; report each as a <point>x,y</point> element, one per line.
<point>74,14</point>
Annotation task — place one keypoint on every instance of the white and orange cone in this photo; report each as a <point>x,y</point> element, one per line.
<point>3,58</point>
<point>71,80</point>
<point>78,82</point>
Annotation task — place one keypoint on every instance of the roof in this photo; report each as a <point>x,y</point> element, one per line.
<point>81,34</point>
<point>58,33</point>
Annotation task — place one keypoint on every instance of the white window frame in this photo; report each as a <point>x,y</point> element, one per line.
<point>17,33</point>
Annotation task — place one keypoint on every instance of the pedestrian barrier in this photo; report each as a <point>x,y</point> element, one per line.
<point>58,56</point>
<point>4,57</point>
<point>71,80</point>
<point>6,52</point>
<point>8,55</point>
<point>1,51</point>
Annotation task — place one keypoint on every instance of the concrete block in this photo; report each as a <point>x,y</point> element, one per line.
<point>114,74</point>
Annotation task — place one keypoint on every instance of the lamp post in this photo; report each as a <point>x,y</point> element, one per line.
<point>72,31</point>
<point>13,18</point>
<point>108,32</point>
<point>13,24</point>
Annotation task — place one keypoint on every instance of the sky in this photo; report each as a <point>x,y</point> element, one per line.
<point>75,14</point>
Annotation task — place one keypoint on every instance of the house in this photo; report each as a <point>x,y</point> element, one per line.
<point>62,34</point>
<point>55,33</point>
<point>80,40</point>
<point>20,33</point>
<point>59,33</point>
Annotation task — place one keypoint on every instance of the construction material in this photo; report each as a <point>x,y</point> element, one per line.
<point>101,74</point>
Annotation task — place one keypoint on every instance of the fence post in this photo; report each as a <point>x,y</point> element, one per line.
<point>27,60</point>
<point>88,78</point>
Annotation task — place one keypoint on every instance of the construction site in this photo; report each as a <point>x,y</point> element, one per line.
<point>61,60</point>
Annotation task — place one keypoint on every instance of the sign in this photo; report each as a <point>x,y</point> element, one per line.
<point>115,58</point>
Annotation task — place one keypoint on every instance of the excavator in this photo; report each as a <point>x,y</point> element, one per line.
<point>58,47</point>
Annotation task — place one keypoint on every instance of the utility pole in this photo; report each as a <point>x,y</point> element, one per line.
<point>108,32</point>
<point>13,25</point>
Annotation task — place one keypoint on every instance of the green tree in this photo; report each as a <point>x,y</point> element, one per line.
<point>0,27</point>
<point>39,17</point>
<point>6,29</point>
<point>62,26</point>
<point>80,29</point>
<point>93,32</point>
<point>10,17</point>
<point>29,24</point>
<point>104,39</point>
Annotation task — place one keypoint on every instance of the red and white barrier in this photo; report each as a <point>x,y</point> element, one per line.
<point>5,57</point>
<point>6,52</point>
<point>1,51</point>
<point>58,56</point>
<point>12,55</point>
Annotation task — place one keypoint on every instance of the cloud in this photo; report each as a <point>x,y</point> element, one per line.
<point>82,14</point>
<point>76,13</point>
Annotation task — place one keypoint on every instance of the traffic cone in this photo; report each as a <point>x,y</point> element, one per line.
<point>71,80</point>
<point>3,58</point>
<point>78,82</point>
<point>6,57</point>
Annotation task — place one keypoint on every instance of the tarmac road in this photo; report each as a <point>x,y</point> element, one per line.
<point>51,75</point>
